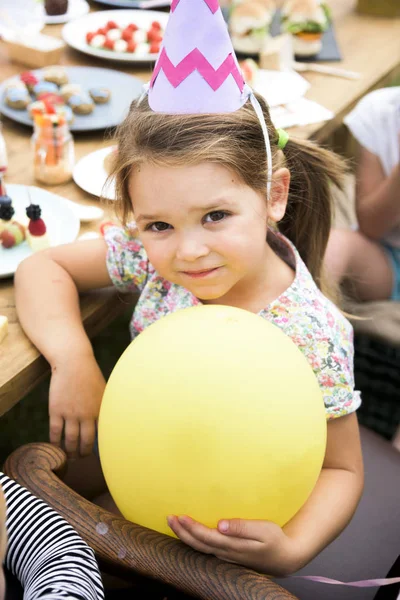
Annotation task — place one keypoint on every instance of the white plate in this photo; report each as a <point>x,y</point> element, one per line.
<point>280,87</point>
<point>62,223</point>
<point>74,33</point>
<point>76,8</point>
<point>89,173</point>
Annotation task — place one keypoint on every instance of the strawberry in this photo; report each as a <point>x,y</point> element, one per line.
<point>29,78</point>
<point>153,35</point>
<point>154,48</point>
<point>101,31</point>
<point>111,25</point>
<point>37,227</point>
<point>127,35</point>
<point>109,44</point>
<point>50,97</point>
<point>132,27</point>
<point>156,25</point>
<point>131,46</point>
<point>49,107</point>
<point>89,36</point>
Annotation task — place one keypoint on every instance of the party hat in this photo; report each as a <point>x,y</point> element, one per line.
<point>197,69</point>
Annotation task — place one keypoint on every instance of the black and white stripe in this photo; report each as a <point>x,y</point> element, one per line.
<point>44,552</point>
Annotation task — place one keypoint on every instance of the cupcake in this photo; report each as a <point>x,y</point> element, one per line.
<point>55,7</point>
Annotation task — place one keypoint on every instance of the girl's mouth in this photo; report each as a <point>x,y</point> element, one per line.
<point>200,274</point>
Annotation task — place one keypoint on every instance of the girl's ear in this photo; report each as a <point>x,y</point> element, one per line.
<point>279,194</point>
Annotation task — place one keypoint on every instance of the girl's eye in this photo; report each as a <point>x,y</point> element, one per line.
<point>158,226</point>
<point>215,216</point>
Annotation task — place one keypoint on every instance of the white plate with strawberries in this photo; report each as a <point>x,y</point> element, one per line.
<point>119,35</point>
<point>62,224</point>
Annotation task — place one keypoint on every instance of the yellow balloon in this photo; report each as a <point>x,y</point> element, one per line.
<point>212,412</point>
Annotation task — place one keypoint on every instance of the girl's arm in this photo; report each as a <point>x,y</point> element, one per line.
<point>47,286</point>
<point>377,196</point>
<point>267,548</point>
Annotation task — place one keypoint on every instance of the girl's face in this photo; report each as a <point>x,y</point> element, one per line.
<point>203,228</point>
<point>3,543</point>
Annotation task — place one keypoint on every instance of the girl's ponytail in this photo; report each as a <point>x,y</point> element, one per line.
<point>308,218</point>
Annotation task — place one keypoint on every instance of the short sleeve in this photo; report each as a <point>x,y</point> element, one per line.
<point>331,355</point>
<point>374,123</point>
<point>127,261</point>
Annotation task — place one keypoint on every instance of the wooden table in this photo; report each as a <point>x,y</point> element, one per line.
<point>369,45</point>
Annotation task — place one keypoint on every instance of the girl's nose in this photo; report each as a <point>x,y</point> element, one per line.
<point>191,248</point>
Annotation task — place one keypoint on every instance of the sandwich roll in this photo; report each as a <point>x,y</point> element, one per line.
<point>249,25</point>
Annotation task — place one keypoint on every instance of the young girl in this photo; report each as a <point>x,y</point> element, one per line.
<point>46,555</point>
<point>230,211</point>
<point>369,258</point>
<point>199,202</point>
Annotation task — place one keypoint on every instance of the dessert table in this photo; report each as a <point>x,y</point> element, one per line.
<point>369,46</point>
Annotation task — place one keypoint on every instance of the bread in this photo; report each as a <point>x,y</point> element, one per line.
<point>300,11</point>
<point>306,20</point>
<point>249,25</point>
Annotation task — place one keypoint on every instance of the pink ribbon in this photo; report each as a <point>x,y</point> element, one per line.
<point>364,583</point>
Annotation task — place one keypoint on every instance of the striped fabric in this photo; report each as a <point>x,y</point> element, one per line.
<point>44,552</point>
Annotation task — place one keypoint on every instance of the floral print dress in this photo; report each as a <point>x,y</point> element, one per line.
<point>312,321</point>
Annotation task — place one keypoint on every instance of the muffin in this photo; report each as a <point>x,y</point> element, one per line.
<point>55,7</point>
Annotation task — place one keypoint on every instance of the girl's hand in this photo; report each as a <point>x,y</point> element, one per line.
<point>76,390</point>
<point>259,545</point>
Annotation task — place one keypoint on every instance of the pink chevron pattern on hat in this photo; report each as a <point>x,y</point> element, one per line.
<point>213,5</point>
<point>197,70</point>
<point>197,61</point>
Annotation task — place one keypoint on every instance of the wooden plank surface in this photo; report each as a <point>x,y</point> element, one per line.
<point>369,45</point>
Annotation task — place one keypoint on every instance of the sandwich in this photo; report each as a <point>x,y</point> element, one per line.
<point>249,24</point>
<point>306,20</point>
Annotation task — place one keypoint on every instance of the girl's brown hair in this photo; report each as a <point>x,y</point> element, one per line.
<point>236,141</point>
